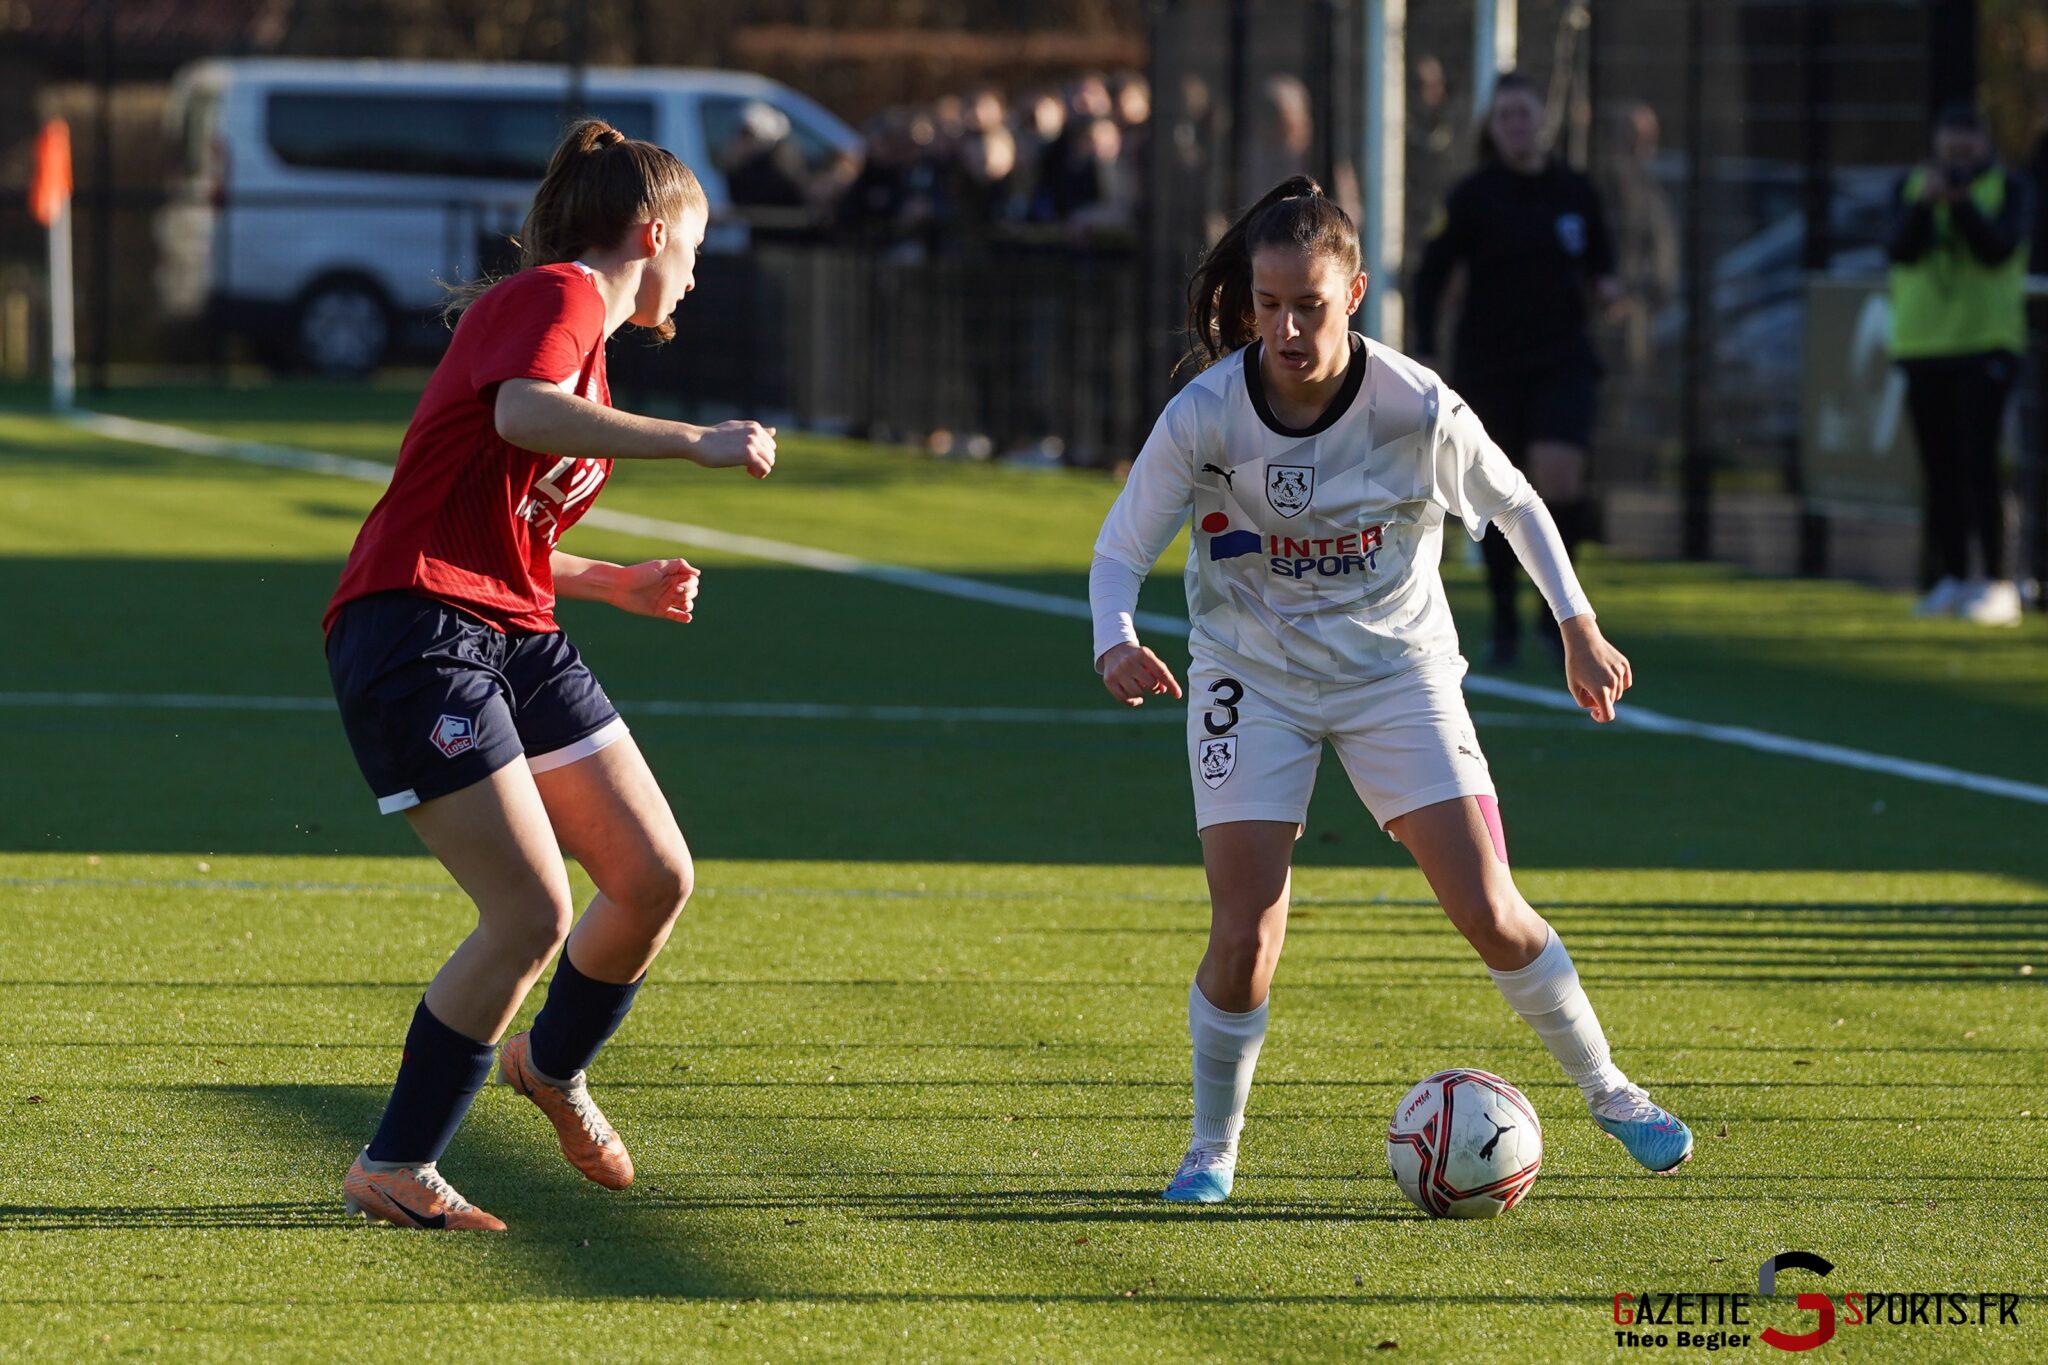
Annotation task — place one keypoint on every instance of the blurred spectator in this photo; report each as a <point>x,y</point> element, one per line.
<point>924,204</point>
<point>763,167</point>
<point>1131,95</point>
<point>875,196</point>
<point>1192,169</point>
<point>1436,126</point>
<point>1436,145</point>
<point>1087,99</point>
<point>982,193</point>
<point>1041,126</point>
<point>949,121</point>
<point>1282,138</point>
<point>1644,227</point>
<point>984,109</point>
<point>896,197</point>
<point>1132,99</point>
<point>1194,125</point>
<point>1958,329</point>
<point>1094,190</point>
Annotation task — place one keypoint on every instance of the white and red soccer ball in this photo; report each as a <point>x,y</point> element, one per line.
<point>1464,1144</point>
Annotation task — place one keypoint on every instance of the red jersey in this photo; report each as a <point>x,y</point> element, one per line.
<point>469,518</point>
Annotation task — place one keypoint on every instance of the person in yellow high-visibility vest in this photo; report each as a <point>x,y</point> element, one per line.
<point>1958,286</point>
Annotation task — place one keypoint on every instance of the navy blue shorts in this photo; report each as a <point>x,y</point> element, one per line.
<point>434,700</point>
<point>1517,410</point>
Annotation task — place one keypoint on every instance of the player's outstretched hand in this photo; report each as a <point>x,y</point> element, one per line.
<point>1596,672</point>
<point>662,588</point>
<point>736,445</point>
<point>1133,672</point>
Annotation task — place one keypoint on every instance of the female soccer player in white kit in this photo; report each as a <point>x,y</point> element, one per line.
<point>1319,468</point>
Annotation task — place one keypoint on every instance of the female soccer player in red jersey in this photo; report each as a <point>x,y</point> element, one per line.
<point>469,710</point>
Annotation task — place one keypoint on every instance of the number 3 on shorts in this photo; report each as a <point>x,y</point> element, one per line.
<point>1228,693</point>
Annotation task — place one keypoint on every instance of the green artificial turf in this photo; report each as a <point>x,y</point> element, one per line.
<point>908,1079</point>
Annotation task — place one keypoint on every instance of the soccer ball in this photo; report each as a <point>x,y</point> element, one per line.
<point>1464,1144</point>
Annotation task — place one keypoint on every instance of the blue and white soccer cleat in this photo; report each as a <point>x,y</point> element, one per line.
<point>1654,1137</point>
<point>1205,1176</point>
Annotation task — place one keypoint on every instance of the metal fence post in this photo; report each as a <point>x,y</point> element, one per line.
<point>1818,250</point>
<point>1696,475</point>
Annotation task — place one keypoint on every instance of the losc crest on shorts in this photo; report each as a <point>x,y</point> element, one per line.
<point>434,700</point>
<point>1254,745</point>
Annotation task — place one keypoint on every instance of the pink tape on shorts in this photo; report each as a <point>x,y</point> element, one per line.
<point>1490,808</point>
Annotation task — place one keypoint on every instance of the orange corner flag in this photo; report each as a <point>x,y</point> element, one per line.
<point>51,185</point>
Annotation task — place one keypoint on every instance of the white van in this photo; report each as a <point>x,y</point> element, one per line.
<point>318,206</point>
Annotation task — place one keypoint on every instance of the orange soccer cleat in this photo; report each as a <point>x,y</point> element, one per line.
<point>588,1140</point>
<point>411,1197</point>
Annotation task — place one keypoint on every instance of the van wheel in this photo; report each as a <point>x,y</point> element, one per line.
<point>343,328</point>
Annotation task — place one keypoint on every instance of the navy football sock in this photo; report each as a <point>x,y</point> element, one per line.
<point>438,1077</point>
<point>579,1015</point>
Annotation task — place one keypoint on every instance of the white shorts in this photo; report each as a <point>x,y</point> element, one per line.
<point>1406,742</point>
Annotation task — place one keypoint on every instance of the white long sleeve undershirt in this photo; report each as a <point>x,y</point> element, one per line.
<point>1532,534</point>
<point>1113,595</point>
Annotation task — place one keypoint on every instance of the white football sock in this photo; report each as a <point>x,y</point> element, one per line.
<point>1547,994</point>
<point>1226,1050</point>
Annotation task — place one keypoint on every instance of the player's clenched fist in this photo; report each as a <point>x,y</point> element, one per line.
<point>662,588</point>
<point>1133,672</point>
<point>733,445</point>
<point>1596,672</point>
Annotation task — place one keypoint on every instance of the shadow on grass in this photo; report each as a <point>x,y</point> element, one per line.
<point>567,1237</point>
<point>1135,1297</point>
<point>132,1217</point>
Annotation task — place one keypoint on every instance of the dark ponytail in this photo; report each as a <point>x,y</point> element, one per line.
<point>1295,213</point>
<point>599,182</point>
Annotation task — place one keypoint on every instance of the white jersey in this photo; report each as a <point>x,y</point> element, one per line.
<point>1315,552</point>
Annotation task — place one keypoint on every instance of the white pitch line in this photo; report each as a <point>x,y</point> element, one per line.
<point>650,528</point>
<point>1052,604</point>
<point>1764,741</point>
<point>727,710</point>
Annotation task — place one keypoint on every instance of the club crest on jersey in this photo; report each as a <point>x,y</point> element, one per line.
<point>453,736</point>
<point>1217,758</point>
<point>1289,487</point>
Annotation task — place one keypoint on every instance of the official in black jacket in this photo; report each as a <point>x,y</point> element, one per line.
<point>1534,244</point>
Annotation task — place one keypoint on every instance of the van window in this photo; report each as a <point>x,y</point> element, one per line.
<point>481,137</point>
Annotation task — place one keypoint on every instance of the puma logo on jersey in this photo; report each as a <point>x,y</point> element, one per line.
<point>1229,475</point>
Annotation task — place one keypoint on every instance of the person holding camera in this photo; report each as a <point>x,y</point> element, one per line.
<point>1958,285</point>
